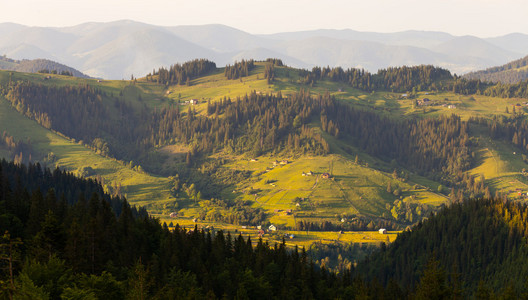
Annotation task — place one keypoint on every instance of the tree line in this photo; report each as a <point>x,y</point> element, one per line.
<point>397,79</point>
<point>239,69</point>
<point>180,74</point>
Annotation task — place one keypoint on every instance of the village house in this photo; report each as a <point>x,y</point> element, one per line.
<point>424,102</point>
<point>272,228</point>
<point>173,214</point>
<point>382,231</point>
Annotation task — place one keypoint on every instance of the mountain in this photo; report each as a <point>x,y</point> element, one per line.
<point>512,72</point>
<point>219,38</point>
<point>138,52</point>
<point>325,51</point>
<point>517,42</point>
<point>409,38</point>
<point>36,65</point>
<point>115,50</point>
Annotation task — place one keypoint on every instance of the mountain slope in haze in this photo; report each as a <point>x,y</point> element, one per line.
<point>36,65</point>
<point>357,54</point>
<point>413,38</point>
<point>115,50</point>
<point>219,38</point>
<point>517,42</point>
<point>512,72</point>
<point>136,53</point>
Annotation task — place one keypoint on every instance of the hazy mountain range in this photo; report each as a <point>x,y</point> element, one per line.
<point>119,49</point>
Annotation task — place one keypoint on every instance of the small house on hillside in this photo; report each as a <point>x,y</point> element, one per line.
<point>272,228</point>
<point>193,101</point>
<point>173,214</point>
<point>382,231</point>
<point>326,175</point>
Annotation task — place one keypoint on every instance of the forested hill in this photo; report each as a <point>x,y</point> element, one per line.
<point>513,72</point>
<point>38,66</point>
<point>479,244</point>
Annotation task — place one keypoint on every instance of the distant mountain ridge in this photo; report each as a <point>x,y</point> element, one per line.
<point>512,72</point>
<point>116,50</point>
<point>37,65</point>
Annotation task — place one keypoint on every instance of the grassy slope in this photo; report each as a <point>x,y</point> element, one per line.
<point>140,188</point>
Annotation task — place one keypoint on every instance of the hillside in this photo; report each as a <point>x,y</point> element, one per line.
<point>513,72</point>
<point>235,155</point>
<point>479,245</point>
<point>38,65</point>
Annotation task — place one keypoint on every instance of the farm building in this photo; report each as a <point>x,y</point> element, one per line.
<point>382,231</point>
<point>173,214</point>
<point>326,175</point>
<point>272,228</point>
<point>424,102</point>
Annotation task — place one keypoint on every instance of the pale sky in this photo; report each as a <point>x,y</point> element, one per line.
<point>483,18</point>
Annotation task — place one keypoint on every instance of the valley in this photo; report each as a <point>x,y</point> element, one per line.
<point>342,188</point>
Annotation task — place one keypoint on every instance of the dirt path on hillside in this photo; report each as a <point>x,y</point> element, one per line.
<point>345,198</point>
<point>316,181</point>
